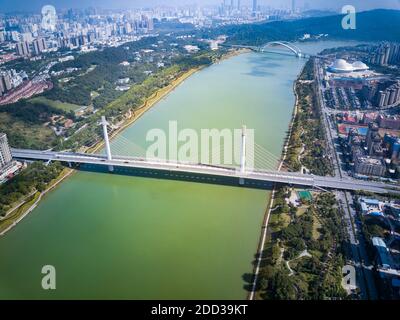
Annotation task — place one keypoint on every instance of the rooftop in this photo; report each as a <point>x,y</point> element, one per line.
<point>341,65</point>
<point>383,252</point>
<point>373,202</point>
<point>370,161</point>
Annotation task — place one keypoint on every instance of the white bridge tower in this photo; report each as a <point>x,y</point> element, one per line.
<point>243,151</point>
<point>104,123</point>
<point>243,155</point>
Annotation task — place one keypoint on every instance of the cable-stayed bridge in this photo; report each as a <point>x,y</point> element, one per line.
<point>261,174</point>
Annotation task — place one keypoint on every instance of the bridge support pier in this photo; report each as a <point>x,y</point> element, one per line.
<point>104,123</point>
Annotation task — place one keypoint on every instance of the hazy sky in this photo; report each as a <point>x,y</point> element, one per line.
<point>35,5</point>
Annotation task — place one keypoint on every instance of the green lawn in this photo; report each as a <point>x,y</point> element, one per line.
<point>56,104</point>
<point>23,135</point>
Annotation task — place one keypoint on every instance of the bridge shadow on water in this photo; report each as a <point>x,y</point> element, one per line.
<point>176,176</point>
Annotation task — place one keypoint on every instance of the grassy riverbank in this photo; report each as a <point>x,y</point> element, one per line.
<point>17,212</point>
<point>306,149</point>
<point>12,219</point>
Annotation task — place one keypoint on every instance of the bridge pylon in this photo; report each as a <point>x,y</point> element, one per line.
<point>243,151</point>
<point>243,155</point>
<point>104,123</point>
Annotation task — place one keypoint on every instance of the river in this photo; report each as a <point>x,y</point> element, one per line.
<point>123,237</point>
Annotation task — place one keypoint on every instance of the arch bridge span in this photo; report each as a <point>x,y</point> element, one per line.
<point>290,46</point>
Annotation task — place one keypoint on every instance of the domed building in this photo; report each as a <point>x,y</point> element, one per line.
<point>359,66</point>
<point>340,66</point>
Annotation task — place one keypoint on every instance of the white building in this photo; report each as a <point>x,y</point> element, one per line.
<point>5,151</point>
<point>191,49</point>
<point>342,66</point>
<point>359,66</point>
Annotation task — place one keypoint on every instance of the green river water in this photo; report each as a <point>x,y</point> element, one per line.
<point>123,237</point>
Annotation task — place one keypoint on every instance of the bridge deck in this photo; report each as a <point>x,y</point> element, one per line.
<point>295,179</point>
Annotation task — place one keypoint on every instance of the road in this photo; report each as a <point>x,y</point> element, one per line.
<point>360,259</point>
<point>330,133</point>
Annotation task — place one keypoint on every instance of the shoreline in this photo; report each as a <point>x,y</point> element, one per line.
<point>23,214</point>
<point>264,228</point>
<point>136,114</point>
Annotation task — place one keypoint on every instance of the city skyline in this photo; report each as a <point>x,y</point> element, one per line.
<point>36,5</point>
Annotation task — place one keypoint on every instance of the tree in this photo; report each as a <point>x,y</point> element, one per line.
<point>282,288</point>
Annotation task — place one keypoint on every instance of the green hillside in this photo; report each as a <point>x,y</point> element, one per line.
<point>375,25</point>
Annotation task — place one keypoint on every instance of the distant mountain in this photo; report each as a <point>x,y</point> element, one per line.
<point>317,13</point>
<point>375,25</point>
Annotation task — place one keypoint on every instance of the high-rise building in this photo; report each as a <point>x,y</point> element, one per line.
<point>381,99</point>
<point>369,166</point>
<point>385,54</point>
<point>91,37</point>
<point>39,45</point>
<point>82,40</point>
<point>254,6</point>
<point>23,49</point>
<point>293,6</point>
<point>75,41</point>
<point>389,96</point>
<point>5,151</point>
<point>5,83</point>
<point>2,88</point>
<point>128,28</point>
<point>372,137</point>
<point>151,24</point>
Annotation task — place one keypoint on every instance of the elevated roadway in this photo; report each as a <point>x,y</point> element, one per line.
<point>289,178</point>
